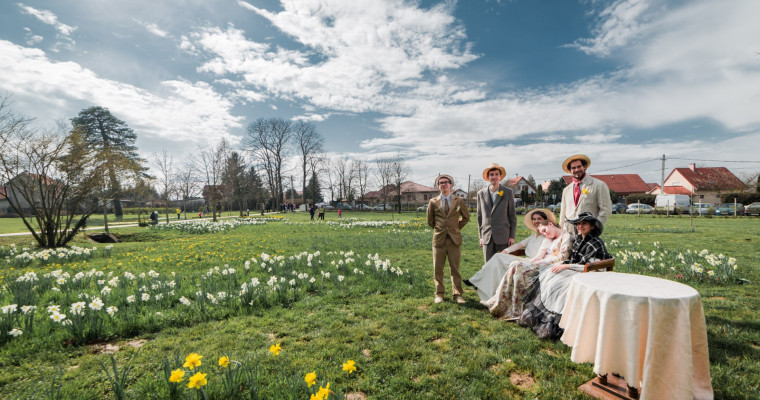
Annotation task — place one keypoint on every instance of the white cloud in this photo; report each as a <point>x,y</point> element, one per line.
<point>355,56</point>
<point>619,23</point>
<point>185,111</point>
<point>48,18</point>
<point>152,28</point>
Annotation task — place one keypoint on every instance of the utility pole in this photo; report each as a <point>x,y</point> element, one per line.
<point>662,177</point>
<point>468,191</point>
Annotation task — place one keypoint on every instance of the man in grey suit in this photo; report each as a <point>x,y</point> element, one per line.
<point>496,213</point>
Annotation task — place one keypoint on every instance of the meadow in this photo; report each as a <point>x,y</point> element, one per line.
<point>268,302</point>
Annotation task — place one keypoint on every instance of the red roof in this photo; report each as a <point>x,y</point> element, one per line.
<point>3,193</point>
<point>622,184</point>
<point>673,190</point>
<point>510,183</point>
<point>408,187</point>
<point>712,178</point>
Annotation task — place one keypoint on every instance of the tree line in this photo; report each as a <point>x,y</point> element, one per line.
<point>56,178</point>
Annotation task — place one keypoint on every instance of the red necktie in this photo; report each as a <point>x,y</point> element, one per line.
<point>577,192</point>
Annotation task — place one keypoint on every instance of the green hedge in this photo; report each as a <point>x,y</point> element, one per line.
<point>640,198</point>
<point>744,198</point>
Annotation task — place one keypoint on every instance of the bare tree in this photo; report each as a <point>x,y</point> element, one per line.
<point>211,167</point>
<point>333,183</point>
<point>267,140</point>
<point>308,144</point>
<point>362,177</point>
<point>385,176</point>
<point>48,178</point>
<point>164,163</point>
<point>399,173</point>
<point>187,184</point>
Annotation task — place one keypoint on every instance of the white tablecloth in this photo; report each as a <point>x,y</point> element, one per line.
<point>649,330</point>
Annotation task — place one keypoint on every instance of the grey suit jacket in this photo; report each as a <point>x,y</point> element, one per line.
<point>497,220</point>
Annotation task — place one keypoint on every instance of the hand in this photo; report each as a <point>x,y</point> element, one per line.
<point>560,267</point>
<point>480,242</point>
<point>511,241</point>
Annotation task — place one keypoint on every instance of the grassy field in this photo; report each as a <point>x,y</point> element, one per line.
<point>403,345</point>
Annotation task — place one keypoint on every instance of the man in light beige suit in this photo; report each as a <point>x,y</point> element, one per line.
<point>584,194</point>
<point>447,214</point>
<point>496,213</point>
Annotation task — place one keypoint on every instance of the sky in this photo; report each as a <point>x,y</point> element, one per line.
<point>452,86</point>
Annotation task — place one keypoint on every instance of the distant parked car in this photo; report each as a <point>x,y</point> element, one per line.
<point>362,207</point>
<point>382,207</point>
<point>619,208</point>
<point>752,209</point>
<point>639,209</point>
<point>702,209</point>
<point>730,209</point>
<point>422,208</point>
<point>344,206</point>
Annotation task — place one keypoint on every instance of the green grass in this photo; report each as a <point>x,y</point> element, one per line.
<point>404,345</point>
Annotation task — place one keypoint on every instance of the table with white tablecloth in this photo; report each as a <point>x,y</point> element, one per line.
<point>649,330</point>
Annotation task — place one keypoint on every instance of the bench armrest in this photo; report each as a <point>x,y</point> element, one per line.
<point>606,265</point>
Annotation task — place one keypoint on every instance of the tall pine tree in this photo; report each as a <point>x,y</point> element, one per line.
<point>114,142</point>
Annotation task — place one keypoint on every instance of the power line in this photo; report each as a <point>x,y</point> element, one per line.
<point>722,161</point>
<point>629,165</point>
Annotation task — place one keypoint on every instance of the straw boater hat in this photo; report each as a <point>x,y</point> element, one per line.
<point>529,222</point>
<point>494,166</point>
<point>587,216</point>
<point>570,159</point>
<point>451,180</point>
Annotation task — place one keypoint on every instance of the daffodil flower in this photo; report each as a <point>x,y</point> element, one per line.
<point>197,380</point>
<point>349,366</point>
<point>224,361</point>
<point>275,349</point>
<point>192,361</point>
<point>310,378</point>
<point>177,375</point>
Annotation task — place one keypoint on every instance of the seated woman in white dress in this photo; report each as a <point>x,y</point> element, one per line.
<point>522,275</point>
<point>543,311</point>
<point>488,278</point>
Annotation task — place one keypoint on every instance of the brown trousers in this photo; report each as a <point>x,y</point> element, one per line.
<point>453,252</point>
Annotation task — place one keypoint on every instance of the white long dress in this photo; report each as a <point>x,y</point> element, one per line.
<point>490,275</point>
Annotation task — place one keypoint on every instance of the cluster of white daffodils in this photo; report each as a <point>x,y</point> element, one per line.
<point>208,226</point>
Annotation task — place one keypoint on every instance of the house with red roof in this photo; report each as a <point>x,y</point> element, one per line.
<point>517,184</point>
<point>707,184</point>
<point>411,192</point>
<point>622,184</point>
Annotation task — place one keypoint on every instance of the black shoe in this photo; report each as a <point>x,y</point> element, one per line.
<point>468,283</point>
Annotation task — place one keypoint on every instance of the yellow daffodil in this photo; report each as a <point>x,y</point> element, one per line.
<point>585,190</point>
<point>275,349</point>
<point>310,378</point>
<point>349,366</point>
<point>177,375</point>
<point>197,380</point>
<point>224,361</point>
<point>192,361</point>
<point>323,392</point>
<point>500,193</point>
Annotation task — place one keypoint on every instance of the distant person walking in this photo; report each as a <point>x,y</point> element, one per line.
<point>178,213</point>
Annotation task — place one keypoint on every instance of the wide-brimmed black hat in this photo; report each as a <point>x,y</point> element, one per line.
<point>587,216</point>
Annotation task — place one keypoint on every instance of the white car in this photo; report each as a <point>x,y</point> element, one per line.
<point>639,209</point>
